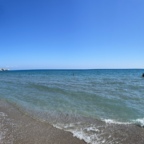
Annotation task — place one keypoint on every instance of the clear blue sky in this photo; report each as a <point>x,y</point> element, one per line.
<point>71,34</point>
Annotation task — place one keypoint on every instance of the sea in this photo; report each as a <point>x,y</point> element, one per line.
<point>82,102</point>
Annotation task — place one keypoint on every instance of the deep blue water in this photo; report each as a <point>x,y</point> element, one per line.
<point>63,97</point>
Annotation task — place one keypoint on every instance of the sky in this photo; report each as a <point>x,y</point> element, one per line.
<point>71,34</point>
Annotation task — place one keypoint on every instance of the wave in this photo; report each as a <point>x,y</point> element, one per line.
<point>111,121</point>
<point>106,131</point>
<point>44,87</point>
<point>90,134</point>
<point>139,122</point>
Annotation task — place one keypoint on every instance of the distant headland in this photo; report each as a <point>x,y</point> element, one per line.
<point>2,69</point>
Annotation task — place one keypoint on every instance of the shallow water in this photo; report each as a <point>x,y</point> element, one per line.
<point>74,100</point>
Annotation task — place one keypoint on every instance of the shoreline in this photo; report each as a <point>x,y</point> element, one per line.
<point>19,128</point>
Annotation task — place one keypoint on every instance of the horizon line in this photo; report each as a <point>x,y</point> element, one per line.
<point>74,69</point>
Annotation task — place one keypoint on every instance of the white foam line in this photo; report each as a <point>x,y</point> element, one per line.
<point>90,134</point>
<point>80,133</point>
<point>110,121</point>
<point>139,121</point>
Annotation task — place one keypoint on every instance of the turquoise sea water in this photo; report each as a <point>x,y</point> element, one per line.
<point>73,99</point>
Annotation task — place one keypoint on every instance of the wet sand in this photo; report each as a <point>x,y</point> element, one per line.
<point>121,134</point>
<point>18,128</point>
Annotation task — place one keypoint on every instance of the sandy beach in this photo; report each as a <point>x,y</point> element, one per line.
<point>18,128</point>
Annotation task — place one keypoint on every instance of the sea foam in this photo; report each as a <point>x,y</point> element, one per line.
<point>111,121</point>
<point>89,133</point>
<point>139,122</point>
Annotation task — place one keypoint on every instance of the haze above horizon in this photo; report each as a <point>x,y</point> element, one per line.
<point>73,34</point>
